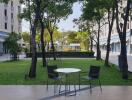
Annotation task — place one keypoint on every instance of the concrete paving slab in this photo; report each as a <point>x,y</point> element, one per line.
<point>39,92</point>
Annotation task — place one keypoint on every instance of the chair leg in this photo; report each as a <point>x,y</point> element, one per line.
<point>90,86</point>
<point>47,84</point>
<point>60,89</point>
<point>75,88</point>
<point>68,83</point>
<point>60,86</point>
<point>54,88</point>
<point>79,80</point>
<point>100,85</point>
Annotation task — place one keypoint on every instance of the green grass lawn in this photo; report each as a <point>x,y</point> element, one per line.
<point>12,73</point>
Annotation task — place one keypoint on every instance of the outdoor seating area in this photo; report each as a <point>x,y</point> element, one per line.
<point>69,79</point>
<point>62,76</point>
<point>66,50</point>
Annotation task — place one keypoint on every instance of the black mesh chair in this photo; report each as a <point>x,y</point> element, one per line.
<point>52,75</point>
<point>93,74</point>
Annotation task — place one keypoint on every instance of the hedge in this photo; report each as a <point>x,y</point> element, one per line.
<point>65,54</point>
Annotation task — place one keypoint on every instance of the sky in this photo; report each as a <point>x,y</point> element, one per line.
<point>63,25</point>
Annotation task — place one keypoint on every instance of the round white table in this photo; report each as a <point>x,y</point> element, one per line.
<point>66,72</point>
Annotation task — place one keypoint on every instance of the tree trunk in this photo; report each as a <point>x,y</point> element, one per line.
<point>52,46</point>
<point>32,72</point>
<point>14,57</point>
<point>109,37</point>
<point>98,45</point>
<point>91,46</point>
<point>123,44</point>
<point>122,36</point>
<point>108,50</point>
<point>43,46</point>
<point>123,60</point>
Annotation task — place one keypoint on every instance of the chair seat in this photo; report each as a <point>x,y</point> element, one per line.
<point>56,78</point>
<point>88,78</point>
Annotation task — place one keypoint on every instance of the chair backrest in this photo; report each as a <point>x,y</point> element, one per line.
<point>94,71</point>
<point>50,71</point>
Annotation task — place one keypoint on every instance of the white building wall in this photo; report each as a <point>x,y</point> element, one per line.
<point>12,8</point>
<point>10,17</point>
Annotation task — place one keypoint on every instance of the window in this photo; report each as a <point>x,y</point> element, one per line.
<point>12,8</point>
<point>5,12</point>
<point>12,3</point>
<point>5,25</point>
<point>11,15</point>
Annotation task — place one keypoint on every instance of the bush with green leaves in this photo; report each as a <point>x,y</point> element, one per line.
<point>11,42</point>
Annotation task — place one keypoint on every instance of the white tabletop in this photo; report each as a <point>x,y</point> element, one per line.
<point>67,70</point>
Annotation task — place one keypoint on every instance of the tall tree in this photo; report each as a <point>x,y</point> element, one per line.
<point>86,26</point>
<point>84,32</point>
<point>55,11</point>
<point>31,13</point>
<point>109,5</point>
<point>121,28</point>
<point>35,11</point>
<point>42,26</point>
<point>32,72</point>
<point>93,11</point>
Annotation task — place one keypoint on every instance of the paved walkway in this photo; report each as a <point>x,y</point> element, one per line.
<point>6,57</point>
<point>39,92</point>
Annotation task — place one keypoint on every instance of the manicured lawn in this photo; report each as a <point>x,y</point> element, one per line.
<point>14,72</point>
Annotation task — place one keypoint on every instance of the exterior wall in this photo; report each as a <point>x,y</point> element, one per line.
<point>1,47</point>
<point>9,15</point>
<point>12,8</point>
<point>115,41</point>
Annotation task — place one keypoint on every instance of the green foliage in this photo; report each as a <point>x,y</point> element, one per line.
<point>26,50</point>
<point>83,40</point>
<point>93,10</point>
<point>77,37</point>
<point>12,45</point>
<point>72,37</point>
<point>56,35</point>
<point>26,37</point>
<point>4,1</point>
